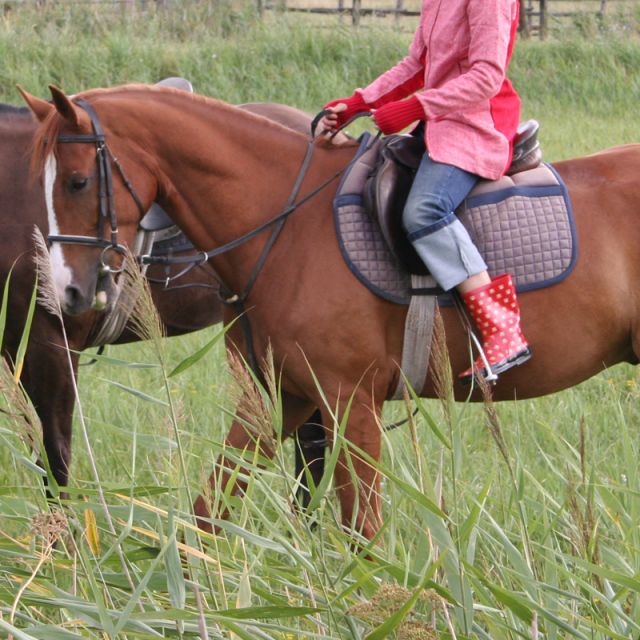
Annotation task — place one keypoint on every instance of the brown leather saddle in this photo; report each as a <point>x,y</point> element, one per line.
<point>387,187</point>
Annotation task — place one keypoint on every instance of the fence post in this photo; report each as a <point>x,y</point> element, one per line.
<point>127,6</point>
<point>525,26</point>
<point>543,19</point>
<point>355,13</point>
<point>399,9</point>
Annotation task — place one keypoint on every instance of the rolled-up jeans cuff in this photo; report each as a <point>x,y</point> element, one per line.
<point>450,255</point>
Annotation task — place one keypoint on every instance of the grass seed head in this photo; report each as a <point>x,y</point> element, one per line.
<point>47,294</point>
<point>252,405</point>
<point>389,599</point>
<point>50,525</point>
<point>135,297</point>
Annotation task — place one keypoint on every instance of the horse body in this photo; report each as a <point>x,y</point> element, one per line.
<point>221,173</point>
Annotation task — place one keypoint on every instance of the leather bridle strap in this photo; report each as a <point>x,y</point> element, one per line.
<point>107,212</point>
<point>233,244</point>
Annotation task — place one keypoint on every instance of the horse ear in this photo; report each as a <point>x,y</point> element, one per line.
<point>40,108</point>
<point>69,111</point>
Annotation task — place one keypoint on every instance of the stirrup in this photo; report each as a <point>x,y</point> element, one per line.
<point>488,373</point>
<point>491,373</point>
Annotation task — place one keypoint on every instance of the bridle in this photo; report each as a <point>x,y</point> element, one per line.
<point>107,211</point>
<point>104,157</point>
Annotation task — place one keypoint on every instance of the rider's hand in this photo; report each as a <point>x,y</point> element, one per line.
<point>395,116</point>
<point>331,121</point>
<point>342,110</point>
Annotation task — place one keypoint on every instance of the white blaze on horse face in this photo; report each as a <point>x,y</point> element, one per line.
<point>59,269</point>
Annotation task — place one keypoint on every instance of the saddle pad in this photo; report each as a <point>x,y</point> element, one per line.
<point>361,242</point>
<point>522,225</point>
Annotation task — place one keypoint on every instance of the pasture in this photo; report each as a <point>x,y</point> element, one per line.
<point>518,520</point>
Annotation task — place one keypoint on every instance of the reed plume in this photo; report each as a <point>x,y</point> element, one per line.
<point>47,293</point>
<point>136,297</point>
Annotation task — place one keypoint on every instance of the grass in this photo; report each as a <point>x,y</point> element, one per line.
<point>228,53</point>
<point>514,521</point>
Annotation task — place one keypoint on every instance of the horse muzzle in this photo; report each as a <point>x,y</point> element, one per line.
<point>96,295</point>
<point>76,301</point>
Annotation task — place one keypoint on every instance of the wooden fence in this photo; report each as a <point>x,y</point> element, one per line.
<point>535,15</point>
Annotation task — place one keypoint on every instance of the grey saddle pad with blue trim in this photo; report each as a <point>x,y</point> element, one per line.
<point>522,225</point>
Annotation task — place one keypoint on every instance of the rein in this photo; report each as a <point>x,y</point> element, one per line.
<point>289,208</point>
<point>104,158</point>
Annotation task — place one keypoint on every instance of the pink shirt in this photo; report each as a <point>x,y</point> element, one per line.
<point>458,58</point>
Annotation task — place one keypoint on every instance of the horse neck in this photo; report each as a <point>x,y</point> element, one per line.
<point>18,187</point>
<point>214,161</point>
<point>222,172</point>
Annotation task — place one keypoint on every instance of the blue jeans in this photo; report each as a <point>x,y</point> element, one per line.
<point>439,238</point>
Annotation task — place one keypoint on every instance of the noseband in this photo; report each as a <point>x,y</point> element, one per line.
<point>104,158</point>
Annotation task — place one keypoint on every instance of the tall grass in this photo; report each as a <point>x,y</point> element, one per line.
<point>228,53</point>
<point>497,522</point>
<point>513,521</point>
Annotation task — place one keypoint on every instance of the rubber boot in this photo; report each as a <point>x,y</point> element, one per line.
<point>496,313</point>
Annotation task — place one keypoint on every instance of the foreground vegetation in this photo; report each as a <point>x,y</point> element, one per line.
<point>513,521</point>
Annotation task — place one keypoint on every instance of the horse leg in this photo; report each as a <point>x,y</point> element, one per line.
<point>357,482</point>
<point>53,397</point>
<point>244,439</point>
<point>310,444</point>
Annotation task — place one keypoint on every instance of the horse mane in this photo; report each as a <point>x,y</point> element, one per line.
<point>45,141</point>
<point>11,109</point>
<point>194,97</point>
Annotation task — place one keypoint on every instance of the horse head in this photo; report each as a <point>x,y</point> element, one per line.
<point>85,183</point>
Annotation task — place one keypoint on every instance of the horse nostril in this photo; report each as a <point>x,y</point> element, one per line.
<point>72,297</point>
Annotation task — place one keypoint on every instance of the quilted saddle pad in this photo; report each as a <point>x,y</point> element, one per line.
<point>522,225</point>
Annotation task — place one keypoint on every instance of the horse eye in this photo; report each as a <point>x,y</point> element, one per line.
<point>78,183</point>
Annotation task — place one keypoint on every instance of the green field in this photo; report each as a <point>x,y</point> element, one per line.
<point>537,535</point>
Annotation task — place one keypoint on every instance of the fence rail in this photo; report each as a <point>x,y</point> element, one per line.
<point>535,15</point>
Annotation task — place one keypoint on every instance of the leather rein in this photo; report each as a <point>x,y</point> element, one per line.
<point>107,215</point>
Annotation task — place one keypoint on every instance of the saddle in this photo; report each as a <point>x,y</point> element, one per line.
<point>387,188</point>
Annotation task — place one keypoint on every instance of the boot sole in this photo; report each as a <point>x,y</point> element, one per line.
<point>501,367</point>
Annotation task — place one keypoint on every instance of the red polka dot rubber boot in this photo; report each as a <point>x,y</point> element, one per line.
<point>496,313</point>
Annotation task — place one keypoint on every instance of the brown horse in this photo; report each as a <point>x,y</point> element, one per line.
<point>189,304</point>
<point>222,173</point>
<point>46,377</point>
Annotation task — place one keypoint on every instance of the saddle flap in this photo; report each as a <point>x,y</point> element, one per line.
<point>386,192</point>
<point>176,83</point>
<point>156,219</point>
